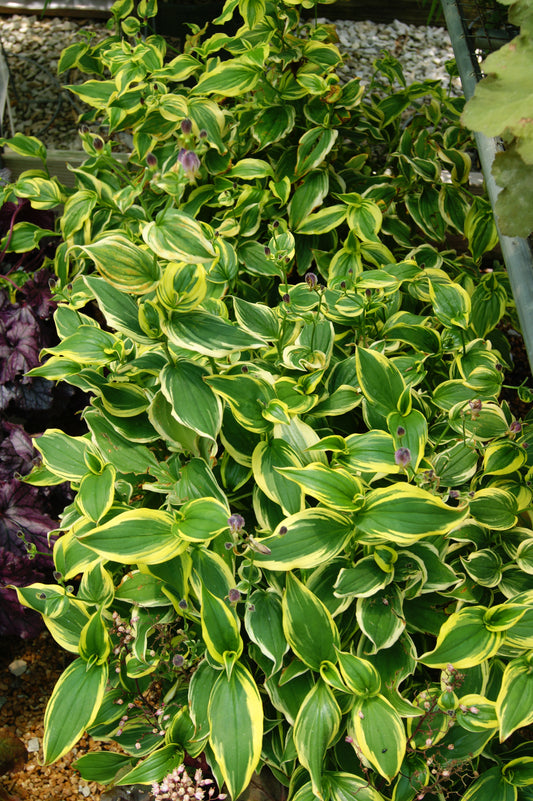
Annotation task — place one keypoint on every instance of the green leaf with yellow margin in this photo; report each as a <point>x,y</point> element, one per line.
<point>309,627</point>
<point>175,236</point>
<point>490,786</point>
<point>378,732</point>
<point>305,540</point>
<point>315,729</point>
<point>380,380</point>
<point>127,266</point>
<point>402,514</point>
<point>464,640</point>
<point>220,627</point>
<point>333,487</point>
<point>235,715</point>
<point>514,705</point>
<point>138,535</point>
<point>72,707</point>
<point>158,764</point>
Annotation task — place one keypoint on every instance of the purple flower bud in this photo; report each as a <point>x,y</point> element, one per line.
<point>98,143</point>
<point>203,134</point>
<point>57,575</point>
<point>515,427</point>
<point>475,405</point>
<point>178,660</point>
<point>151,160</point>
<point>282,531</point>
<point>186,126</point>
<point>275,224</point>
<point>267,251</point>
<point>453,494</point>
<point>402,457</point>
<point>236,523</point>
<point>286,298</point>
<point>244,369</point>
<point>400,431</point>
<point>84,129</point>
<point>343,284</point>
<point>183,604</point>
<point>228,546</point>
<point>311,280</point>
<point>234,595</point>
<point>189,161</point>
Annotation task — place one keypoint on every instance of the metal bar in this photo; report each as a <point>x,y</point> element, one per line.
<point>515,250</point>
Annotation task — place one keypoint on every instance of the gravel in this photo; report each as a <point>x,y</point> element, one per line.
<point>40,107</point>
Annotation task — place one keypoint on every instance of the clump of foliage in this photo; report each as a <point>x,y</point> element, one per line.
<point>499,107</point>
<point>301,532</point>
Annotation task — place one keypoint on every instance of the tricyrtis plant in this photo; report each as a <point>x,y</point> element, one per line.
<point>301,536</point>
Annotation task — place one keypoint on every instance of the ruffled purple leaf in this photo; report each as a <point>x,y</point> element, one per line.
<point>19,570</point>
<point>17,454</point>
<point>35,395</point>
<point>19,340</point>
<point>22,518</point>
<point>38,295</point>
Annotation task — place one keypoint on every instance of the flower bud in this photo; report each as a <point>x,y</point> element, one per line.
<point>402,457</point>
<point>189,162</point>
<point>311,280</point>
<point>151,160</point>
<point>186,126</point>
<point>236,523</point>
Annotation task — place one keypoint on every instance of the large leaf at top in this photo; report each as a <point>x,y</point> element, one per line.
<point>514,204</point>
<point>497,106</point>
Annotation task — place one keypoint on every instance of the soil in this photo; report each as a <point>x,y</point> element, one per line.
<point>23,701</point>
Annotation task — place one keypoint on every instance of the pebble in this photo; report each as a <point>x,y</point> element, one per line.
<point>18,667</point>
<point>33,745</point>
<point>41,108</point>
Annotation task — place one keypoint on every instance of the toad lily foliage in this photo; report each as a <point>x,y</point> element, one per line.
<point>300,537</point>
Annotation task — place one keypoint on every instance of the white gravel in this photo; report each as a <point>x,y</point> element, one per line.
<point>32,47</point>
